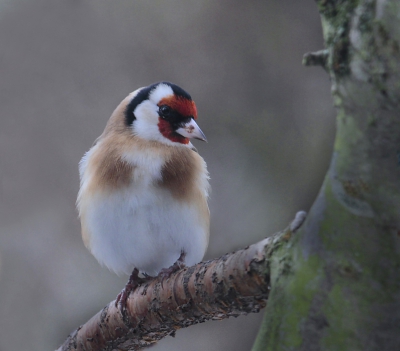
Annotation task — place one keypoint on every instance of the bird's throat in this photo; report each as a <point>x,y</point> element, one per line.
<point>166,130</point>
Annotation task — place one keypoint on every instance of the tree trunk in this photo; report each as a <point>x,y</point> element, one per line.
<point>337,286</point>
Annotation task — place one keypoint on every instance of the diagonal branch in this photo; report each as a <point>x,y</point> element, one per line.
<point>234,284</point>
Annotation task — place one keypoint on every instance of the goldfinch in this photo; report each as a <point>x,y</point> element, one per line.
<point>144,188</point>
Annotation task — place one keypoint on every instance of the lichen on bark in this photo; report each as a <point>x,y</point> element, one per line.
<point>342,289</point>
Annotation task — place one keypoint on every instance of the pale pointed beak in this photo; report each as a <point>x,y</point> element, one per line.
<point>191,130</point>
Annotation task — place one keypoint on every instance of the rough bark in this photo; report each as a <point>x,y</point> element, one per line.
<point>235,284</point>
<point>338,285</point>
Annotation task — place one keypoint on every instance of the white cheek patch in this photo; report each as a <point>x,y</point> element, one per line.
<point>146,123</point>
<point>147,111</point>
<point>162,91</point>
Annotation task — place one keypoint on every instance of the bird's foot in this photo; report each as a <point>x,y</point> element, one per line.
<point>165,273</point>
<point>133,282</point>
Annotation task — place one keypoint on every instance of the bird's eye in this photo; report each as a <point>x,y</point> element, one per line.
<point>165,111</point>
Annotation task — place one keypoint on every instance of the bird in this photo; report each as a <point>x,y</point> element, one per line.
<point>144,188</point>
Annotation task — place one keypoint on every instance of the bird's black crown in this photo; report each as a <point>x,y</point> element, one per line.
<point>144,94</point>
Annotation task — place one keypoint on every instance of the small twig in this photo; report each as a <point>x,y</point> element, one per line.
<point>298,221</point>
<point>317,58</point>
<point>234,284</point>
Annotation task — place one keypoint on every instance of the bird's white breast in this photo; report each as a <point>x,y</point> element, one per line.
<point>142,225</point>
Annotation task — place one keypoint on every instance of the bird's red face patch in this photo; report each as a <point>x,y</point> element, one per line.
<point>185,107</point>
<point>167,131</point>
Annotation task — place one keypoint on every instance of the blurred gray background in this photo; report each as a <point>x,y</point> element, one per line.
<point>65,65</point>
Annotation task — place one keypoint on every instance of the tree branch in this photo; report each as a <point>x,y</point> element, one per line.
<point>234,284</point>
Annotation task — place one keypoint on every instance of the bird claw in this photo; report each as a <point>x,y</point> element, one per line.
<point>123,295</point>
<point>165,273</point>
<point>133,282</point>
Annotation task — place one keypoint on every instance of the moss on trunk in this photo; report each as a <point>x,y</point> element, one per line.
<point>336,286</point>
